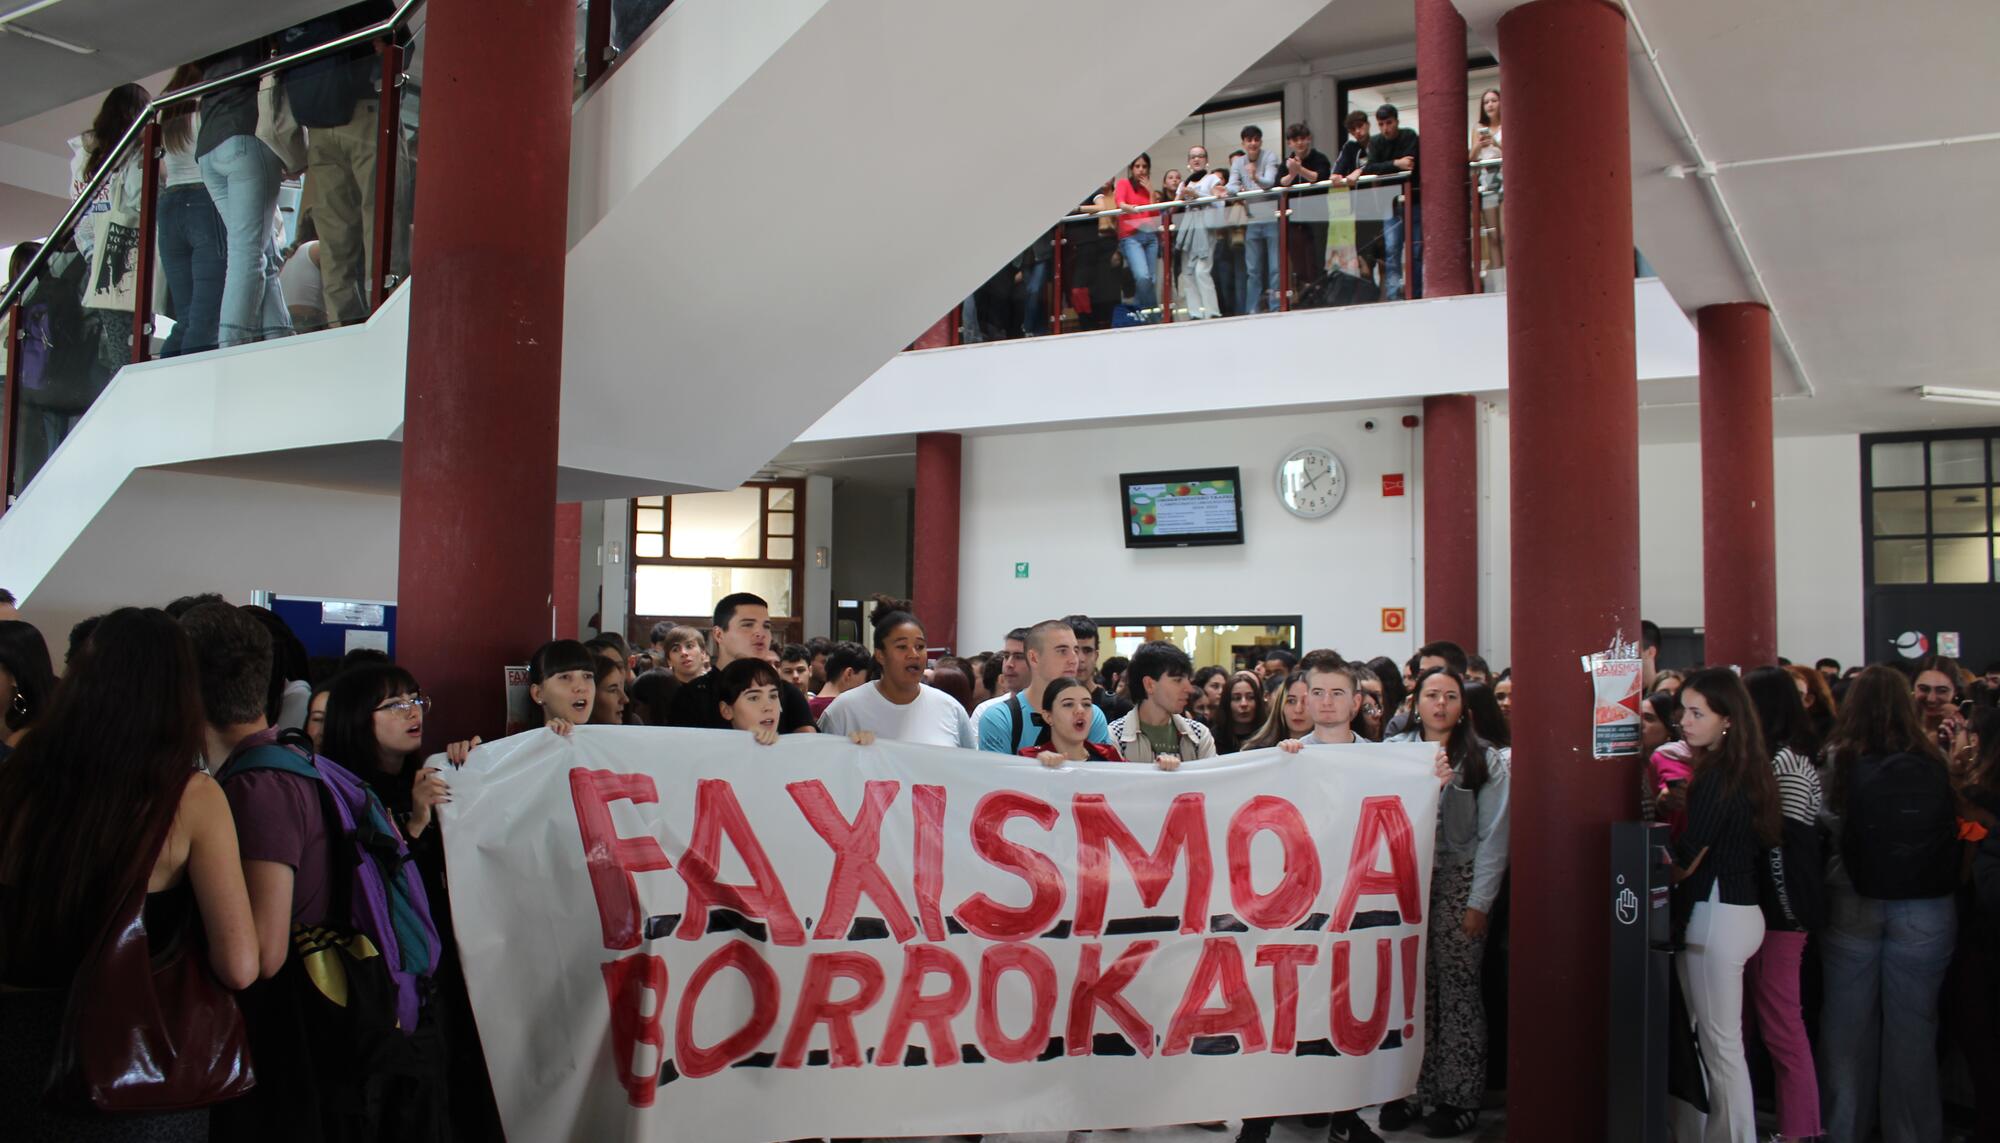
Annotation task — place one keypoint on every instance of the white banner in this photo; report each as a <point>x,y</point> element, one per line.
<point>679,935</point>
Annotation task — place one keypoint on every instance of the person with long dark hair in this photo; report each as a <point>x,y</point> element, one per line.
<point>1891,921</point>
<point>194,253</point>
<point>1242,714</point>
<point>121,107</point>
<point>1471,859</point>
<point>1733,819</point>
<point>1669,762</point>
<point>1488,720</point>
<point>1773,974</point>
<point>897,705</point>
<point>27,681</point>
<point>1395,688</point>
<point>1139,235</point>
<point>105,794</point>
<point>1206,703</point>
<point>375,728</point>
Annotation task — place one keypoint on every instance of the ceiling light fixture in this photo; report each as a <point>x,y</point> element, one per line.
<point>28,9</point>
<point>1986,397</point>
<point>38,37</point>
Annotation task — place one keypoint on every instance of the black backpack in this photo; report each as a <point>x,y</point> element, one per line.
<point>324,92</point>
<point>1900,835</point>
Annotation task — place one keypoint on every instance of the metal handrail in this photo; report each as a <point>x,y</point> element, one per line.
<point>1364,182</point>
<point>118,153</point>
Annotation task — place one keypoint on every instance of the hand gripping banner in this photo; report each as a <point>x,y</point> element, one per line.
<point>680,935</point>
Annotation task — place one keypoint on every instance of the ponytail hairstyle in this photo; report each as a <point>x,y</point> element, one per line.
<point>1739,761</point>
<point>888,614</point>
<point>1464,748</point>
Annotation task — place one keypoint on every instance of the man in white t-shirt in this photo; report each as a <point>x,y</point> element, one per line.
<point>1333,699</point>
<point>898,706</point>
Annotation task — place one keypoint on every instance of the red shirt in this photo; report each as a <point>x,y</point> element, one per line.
<point>1129,195</point>
<point>1099,752</point>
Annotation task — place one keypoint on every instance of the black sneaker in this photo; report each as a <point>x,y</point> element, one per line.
<point>1449,1122</point>
<point>1398,1114</point>
<point>1348,1127</point>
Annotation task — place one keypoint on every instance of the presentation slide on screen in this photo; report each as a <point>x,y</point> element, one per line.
<point>1190,508</point>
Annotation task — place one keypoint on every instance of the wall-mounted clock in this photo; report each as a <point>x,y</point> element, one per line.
<point>1311,482</point>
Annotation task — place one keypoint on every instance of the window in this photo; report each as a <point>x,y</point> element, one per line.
<point>1933,510</point>
<point>1232,642</point>
<point>691,550</point>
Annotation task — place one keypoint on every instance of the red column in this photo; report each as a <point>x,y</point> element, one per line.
<point>1451,520</point>
<point>485,353</point>
<point>934,532</point>
<point>1739,540</point>
<point>1574,409</point>
<point>1442,200</point>
<point>1451,430</point>
<point>568,568</point>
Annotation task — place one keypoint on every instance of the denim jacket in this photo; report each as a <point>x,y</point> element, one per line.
<point>1472,827</point>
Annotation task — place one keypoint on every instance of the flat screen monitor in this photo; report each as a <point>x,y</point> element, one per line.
<point>1181,508</point>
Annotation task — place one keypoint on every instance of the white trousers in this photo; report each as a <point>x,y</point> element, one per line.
<point>1721,939</point>
<point>1197,285</point>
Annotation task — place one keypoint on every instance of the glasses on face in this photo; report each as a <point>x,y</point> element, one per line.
<point>415,704</point>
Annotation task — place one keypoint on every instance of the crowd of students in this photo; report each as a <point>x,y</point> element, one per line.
<point>305,848</point>
<point>228,273</point>
<point>1219,244</point>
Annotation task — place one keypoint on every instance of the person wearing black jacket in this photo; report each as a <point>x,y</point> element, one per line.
<point>1303,166</point>
<point>1393,151</point>
<point>742,631</point>
<point>1733,818</point>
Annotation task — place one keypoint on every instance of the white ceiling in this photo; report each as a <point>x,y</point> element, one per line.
<point>131,38</point>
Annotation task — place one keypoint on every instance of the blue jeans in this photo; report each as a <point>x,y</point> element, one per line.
<point>1034,299</point>
<point>242,176</point>
<point>1392,252</point>
<point>1260,257</point>
<point>1141,249</point>
<point>193,253</point>
<point>1884,965</point>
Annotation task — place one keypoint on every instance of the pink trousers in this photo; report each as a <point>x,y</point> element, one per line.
<point>1772,981</point>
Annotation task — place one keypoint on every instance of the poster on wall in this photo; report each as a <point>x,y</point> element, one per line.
<point>678,935</point>
<point>1616,676</point>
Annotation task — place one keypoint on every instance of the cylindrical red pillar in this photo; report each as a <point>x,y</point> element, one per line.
<point>934,532</point>
<point>485,353</point>
<point>1574,410</point>
<point>1441,149</point>
<point>1739,539</point>
<point>1451,520</point>
<point>568,575</point>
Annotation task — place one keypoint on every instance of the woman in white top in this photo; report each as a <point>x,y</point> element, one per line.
<point>896,705</point>
<point>1485,146</point>
<point>193,251</point>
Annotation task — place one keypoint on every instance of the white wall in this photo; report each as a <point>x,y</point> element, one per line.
<point>1051,499</point>
<point>1818,502</point>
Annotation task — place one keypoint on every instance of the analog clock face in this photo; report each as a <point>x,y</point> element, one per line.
<point>1311,482</point>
